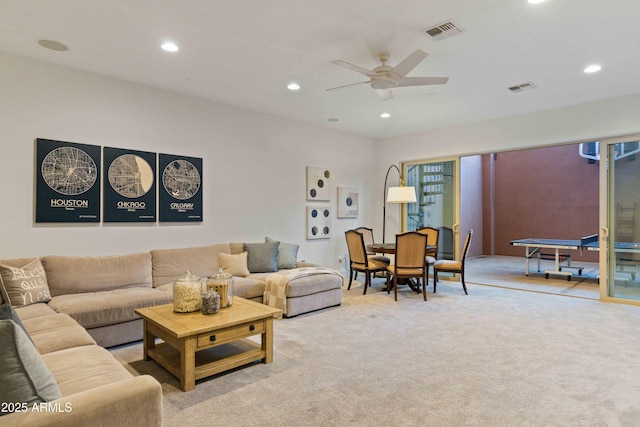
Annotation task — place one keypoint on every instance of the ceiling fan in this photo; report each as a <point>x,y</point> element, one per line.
<point>384,77</point>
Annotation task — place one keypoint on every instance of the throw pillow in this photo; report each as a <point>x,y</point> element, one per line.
<point>262,257</point>
<point>287,254</point>
<point>235,265</point>
<point>23,375</point>
<point>8,313</point>
<point>24,285</point>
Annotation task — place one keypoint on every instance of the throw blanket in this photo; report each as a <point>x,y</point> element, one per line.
<point>275,294</point>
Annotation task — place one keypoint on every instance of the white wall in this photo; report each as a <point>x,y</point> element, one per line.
<point>612,117</point>
<point>253,163</point>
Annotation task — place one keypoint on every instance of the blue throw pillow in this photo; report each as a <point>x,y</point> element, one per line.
<point>8,313</point>
<point>262,257</point>
<point>23,375</point>
<point>287,254</point>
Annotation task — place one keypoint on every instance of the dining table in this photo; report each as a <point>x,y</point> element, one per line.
<point>390,248</point>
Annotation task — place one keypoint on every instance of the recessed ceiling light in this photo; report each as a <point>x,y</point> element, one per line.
<point>385,115</point>
<point>293,86</point>
<point>169,47</point>
<point>536,1</point>
<point>592,68</point>
<point>53,45</point>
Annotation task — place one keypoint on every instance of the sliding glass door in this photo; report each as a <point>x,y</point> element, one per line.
<point>620,216</point>
<point>436,190</point>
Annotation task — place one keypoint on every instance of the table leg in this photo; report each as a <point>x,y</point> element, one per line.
<point>267,340</point>
<point>188,364</point>
<point>148,341</point>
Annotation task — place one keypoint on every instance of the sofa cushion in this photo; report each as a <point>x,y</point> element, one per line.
<point>33,310</point>
<point>308,285</point>
<point>8,313</point>
<point>262,257</point>
<point>287,254</point>
<point>23,282</point>
<point>169,264</point>
<point>55,332</point>
<point>73,275</point>
<point>248,287</point>
<point>97,309</point>
<point>79,369</point>
<point>234,264</point>
<point>23,374</point>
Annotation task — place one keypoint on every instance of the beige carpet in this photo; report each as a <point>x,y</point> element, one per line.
<point>509,272</point>
<point>497,357</point>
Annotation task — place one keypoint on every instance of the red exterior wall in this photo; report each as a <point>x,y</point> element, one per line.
<point>547,193</point>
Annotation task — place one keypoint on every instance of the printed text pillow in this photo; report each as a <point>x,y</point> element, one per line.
<point>24,285</point>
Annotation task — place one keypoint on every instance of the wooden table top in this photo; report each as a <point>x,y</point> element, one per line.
<point>182,325</point>
<point>390,248</point>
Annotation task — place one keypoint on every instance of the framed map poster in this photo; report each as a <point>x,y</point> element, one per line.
<point>180,184</point>
<point>67,181</point>
<point>129,193</point>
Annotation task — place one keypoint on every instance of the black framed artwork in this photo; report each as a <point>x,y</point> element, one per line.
<point>180,188</point>
<point>129,193</point>
<point>67,182</point>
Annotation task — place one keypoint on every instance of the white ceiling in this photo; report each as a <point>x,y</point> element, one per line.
<point>244,52</point>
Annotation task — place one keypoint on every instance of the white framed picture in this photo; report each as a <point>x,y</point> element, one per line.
<point>318,180</point>
<point>347,202</point>
<point>318,222</point>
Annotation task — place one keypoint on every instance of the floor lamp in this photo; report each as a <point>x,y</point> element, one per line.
<point>400,194</point>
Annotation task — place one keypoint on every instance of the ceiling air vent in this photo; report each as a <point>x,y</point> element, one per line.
<point>522,87</point>
<point>443,30</point>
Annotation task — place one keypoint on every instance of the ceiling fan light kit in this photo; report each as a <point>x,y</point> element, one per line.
<point>383,78</point>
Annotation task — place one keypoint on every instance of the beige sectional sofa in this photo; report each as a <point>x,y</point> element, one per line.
<point>72,307</point>
<point>96,389</point>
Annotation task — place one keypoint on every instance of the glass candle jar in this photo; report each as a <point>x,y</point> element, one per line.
<point>210,302</point>
<point>223,284</point>
<point>187,292</point>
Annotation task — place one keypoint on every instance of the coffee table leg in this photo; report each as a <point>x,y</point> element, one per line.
<point>267,341</point>
<point>148,341</point>
<point>188,364</point>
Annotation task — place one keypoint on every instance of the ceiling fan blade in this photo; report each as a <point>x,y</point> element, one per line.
<point>352,84</point>
<point>422,81</point>
<point>385,94</point>
<point>409,63</point>
<point>355,68</point>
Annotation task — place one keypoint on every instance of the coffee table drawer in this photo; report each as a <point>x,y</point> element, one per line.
<point>230,334</point>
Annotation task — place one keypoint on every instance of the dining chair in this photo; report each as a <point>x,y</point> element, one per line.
<point>453,266</point>
<point>410,261</point>
<point>433,235</point>
<point>358,259</point>
<point>445,243</point>
<point>367,234</point>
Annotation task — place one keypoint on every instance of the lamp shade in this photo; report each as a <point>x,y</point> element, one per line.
<point>401,195</point>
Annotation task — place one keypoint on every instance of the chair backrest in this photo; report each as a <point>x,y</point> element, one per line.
<point>431,233</point>
<point>367,234</point>
<point>411,249</point>
<point>467,243</point>
<point>355,244</point>
<point>445,244</point>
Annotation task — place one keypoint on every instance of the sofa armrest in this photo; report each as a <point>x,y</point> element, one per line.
<point>301,264</point>
<point>132,402</point>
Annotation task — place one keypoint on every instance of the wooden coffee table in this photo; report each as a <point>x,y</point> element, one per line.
<point>189,339</point>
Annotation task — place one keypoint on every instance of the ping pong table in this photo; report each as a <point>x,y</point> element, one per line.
<point>534,246</point>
